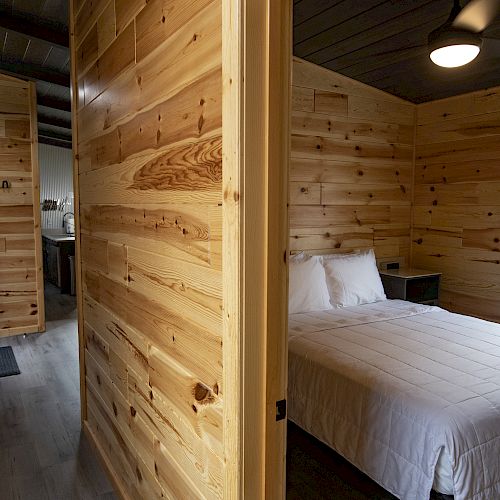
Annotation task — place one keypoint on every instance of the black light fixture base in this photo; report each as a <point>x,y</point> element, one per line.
<point>448,35</point>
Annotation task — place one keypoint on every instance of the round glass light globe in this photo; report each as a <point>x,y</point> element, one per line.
<point>453,56</point>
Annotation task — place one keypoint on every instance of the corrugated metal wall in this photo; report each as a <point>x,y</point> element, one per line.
<point>56,183</point>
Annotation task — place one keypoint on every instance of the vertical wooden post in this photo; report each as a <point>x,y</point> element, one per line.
<point>279,33</point>
<point>76,208</point>
<point>232,269</point>
<point>35,169</point>
<point>256,85</point>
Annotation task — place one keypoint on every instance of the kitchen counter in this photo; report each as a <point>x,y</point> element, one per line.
<point>57,236</point>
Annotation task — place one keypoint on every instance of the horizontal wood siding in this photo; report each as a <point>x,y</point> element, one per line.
<point>351,166</point>
<point>457,199</point>
<point>149,156</point>
<point>21,280</point>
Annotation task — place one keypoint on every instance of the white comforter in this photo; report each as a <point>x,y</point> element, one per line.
<point>389,385</point>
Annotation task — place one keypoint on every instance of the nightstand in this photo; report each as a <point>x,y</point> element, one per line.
<point>414,285</point>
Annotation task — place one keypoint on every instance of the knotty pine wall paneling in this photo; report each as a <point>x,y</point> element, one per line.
<point>256,100</point>
<point>21,275</point>
<point>351,165</point>
<point>148,116</point>
<point>457,199</point>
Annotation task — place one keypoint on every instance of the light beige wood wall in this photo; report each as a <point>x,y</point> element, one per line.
<point>352,181</point>
<point>21,279</point>
<point>351,165</point>
<point>457,199</point>
<point>149,172</point>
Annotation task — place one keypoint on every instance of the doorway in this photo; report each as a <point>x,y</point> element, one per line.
<point>57,215</point>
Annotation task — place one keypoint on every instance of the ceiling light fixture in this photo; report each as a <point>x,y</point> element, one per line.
<point>452,48</point>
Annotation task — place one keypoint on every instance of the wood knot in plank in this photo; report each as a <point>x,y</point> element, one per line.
<point>203,394</point>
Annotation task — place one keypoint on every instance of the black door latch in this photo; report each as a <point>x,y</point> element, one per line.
<point>280,409</point>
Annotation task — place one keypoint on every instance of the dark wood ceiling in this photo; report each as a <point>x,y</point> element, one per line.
<point>34,45</point>
<point>381,43</point>
<point>384,44</point>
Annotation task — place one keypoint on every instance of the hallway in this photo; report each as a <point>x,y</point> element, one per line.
<point>44,455</point>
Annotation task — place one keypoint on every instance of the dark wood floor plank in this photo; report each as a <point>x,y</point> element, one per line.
<point>44,454</point>
<point>316,472</point>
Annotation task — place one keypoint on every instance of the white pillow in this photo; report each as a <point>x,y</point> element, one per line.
<point>298,257</point>
<point>307,290</point>
<point>328,256</point>
<point>354,279</point>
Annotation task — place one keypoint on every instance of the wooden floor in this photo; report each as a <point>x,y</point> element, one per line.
<point>316,472</point>
<point>43,454</point>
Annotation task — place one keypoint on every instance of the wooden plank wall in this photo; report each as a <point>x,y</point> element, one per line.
<point>149,167</point>
<point>351,165</point>
<point>21,278</point>
<point>457,199</point>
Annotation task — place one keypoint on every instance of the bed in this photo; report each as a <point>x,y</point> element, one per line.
<point>410,394</point>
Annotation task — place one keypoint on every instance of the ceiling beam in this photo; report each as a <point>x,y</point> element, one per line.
<point>54,102</point>
<point>43,132</point>
<point>32,72</point>
<point>54,142</point>
<point>56,134</point>
<point>54,120</point>
<point>32,30</point>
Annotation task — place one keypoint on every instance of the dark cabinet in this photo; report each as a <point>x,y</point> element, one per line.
<point>56,262</point>
<point>51,263</point>
<point>414,285</point>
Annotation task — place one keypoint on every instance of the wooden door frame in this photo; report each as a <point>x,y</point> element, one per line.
<point>256,74</point>
<point>35,173</point>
